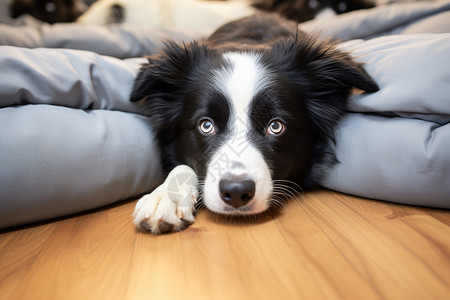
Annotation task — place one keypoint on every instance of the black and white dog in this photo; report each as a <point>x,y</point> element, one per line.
<point>246,112</point>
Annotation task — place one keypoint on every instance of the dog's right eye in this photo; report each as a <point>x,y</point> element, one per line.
<point>275,128</point>
<point>207,127</point>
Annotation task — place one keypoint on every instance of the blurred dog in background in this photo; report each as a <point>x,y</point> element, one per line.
<point>304,10</point>
<point>185,14</point>
<point>49,11</point>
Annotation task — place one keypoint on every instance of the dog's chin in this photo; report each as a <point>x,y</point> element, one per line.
<point>252,208</point>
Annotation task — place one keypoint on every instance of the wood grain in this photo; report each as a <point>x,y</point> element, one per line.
<point>323,245</point>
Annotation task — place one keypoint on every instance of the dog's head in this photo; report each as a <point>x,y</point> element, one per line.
<point>247,121</point>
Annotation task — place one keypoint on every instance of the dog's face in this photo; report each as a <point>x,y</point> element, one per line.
<point>248,121</point>
<point>238,131</point>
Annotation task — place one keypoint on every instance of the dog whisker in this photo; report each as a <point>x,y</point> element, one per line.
<point>285,192</point>
<point>288,183</point>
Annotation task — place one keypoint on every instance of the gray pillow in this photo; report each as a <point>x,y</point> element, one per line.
<point>394,145</point>
<point>69,138</point>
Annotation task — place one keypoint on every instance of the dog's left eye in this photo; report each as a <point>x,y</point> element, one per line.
<point>275,128</point>
<point>207,127</point>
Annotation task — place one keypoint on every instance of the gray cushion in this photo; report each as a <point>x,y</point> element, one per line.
<point>394,145</point>
<point>69,140</point>
<point>397,18</point>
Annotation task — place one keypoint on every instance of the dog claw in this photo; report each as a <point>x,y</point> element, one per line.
<point>194,199</point>
<point>165,227</point>
<point>144,225</point>
<point>162,226</point>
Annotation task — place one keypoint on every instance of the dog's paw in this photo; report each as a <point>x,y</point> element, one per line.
<point>170,207</point>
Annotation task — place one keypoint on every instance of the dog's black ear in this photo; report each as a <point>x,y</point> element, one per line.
<point>334,75</point>
<point>165,71</point>
<point>162,82</point>
<point>326,77</point>
<point>335,69</point>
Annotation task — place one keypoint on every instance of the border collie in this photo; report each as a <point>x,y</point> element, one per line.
<point>250,112</point>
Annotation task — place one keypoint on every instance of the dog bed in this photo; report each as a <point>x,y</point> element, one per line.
<point>71,141</point>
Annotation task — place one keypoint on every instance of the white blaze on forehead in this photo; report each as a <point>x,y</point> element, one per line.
<point>242,80</point>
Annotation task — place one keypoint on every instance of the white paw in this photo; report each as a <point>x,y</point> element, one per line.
<point>170,207</point>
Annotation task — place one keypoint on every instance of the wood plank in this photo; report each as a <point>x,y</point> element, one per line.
<point>247,259</point>
<point>86,257</point>
<point>327,265</point>
<point>438,214</point>
<point>156,270</point>
<point>18,251</point>
<point>217,259</point>
<point>385,258</point>
<point>421,235</point>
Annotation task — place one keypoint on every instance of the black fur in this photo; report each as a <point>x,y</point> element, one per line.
<point>304,10</point>
<point>311,83</point>
<point>50,11</point>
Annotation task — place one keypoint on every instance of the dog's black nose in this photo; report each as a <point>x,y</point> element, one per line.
<point>236,192</point>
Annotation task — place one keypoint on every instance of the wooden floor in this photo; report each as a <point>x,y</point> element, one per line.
<point>324,245</point>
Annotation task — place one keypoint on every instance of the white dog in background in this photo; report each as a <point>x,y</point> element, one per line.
<point>181,14</point>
